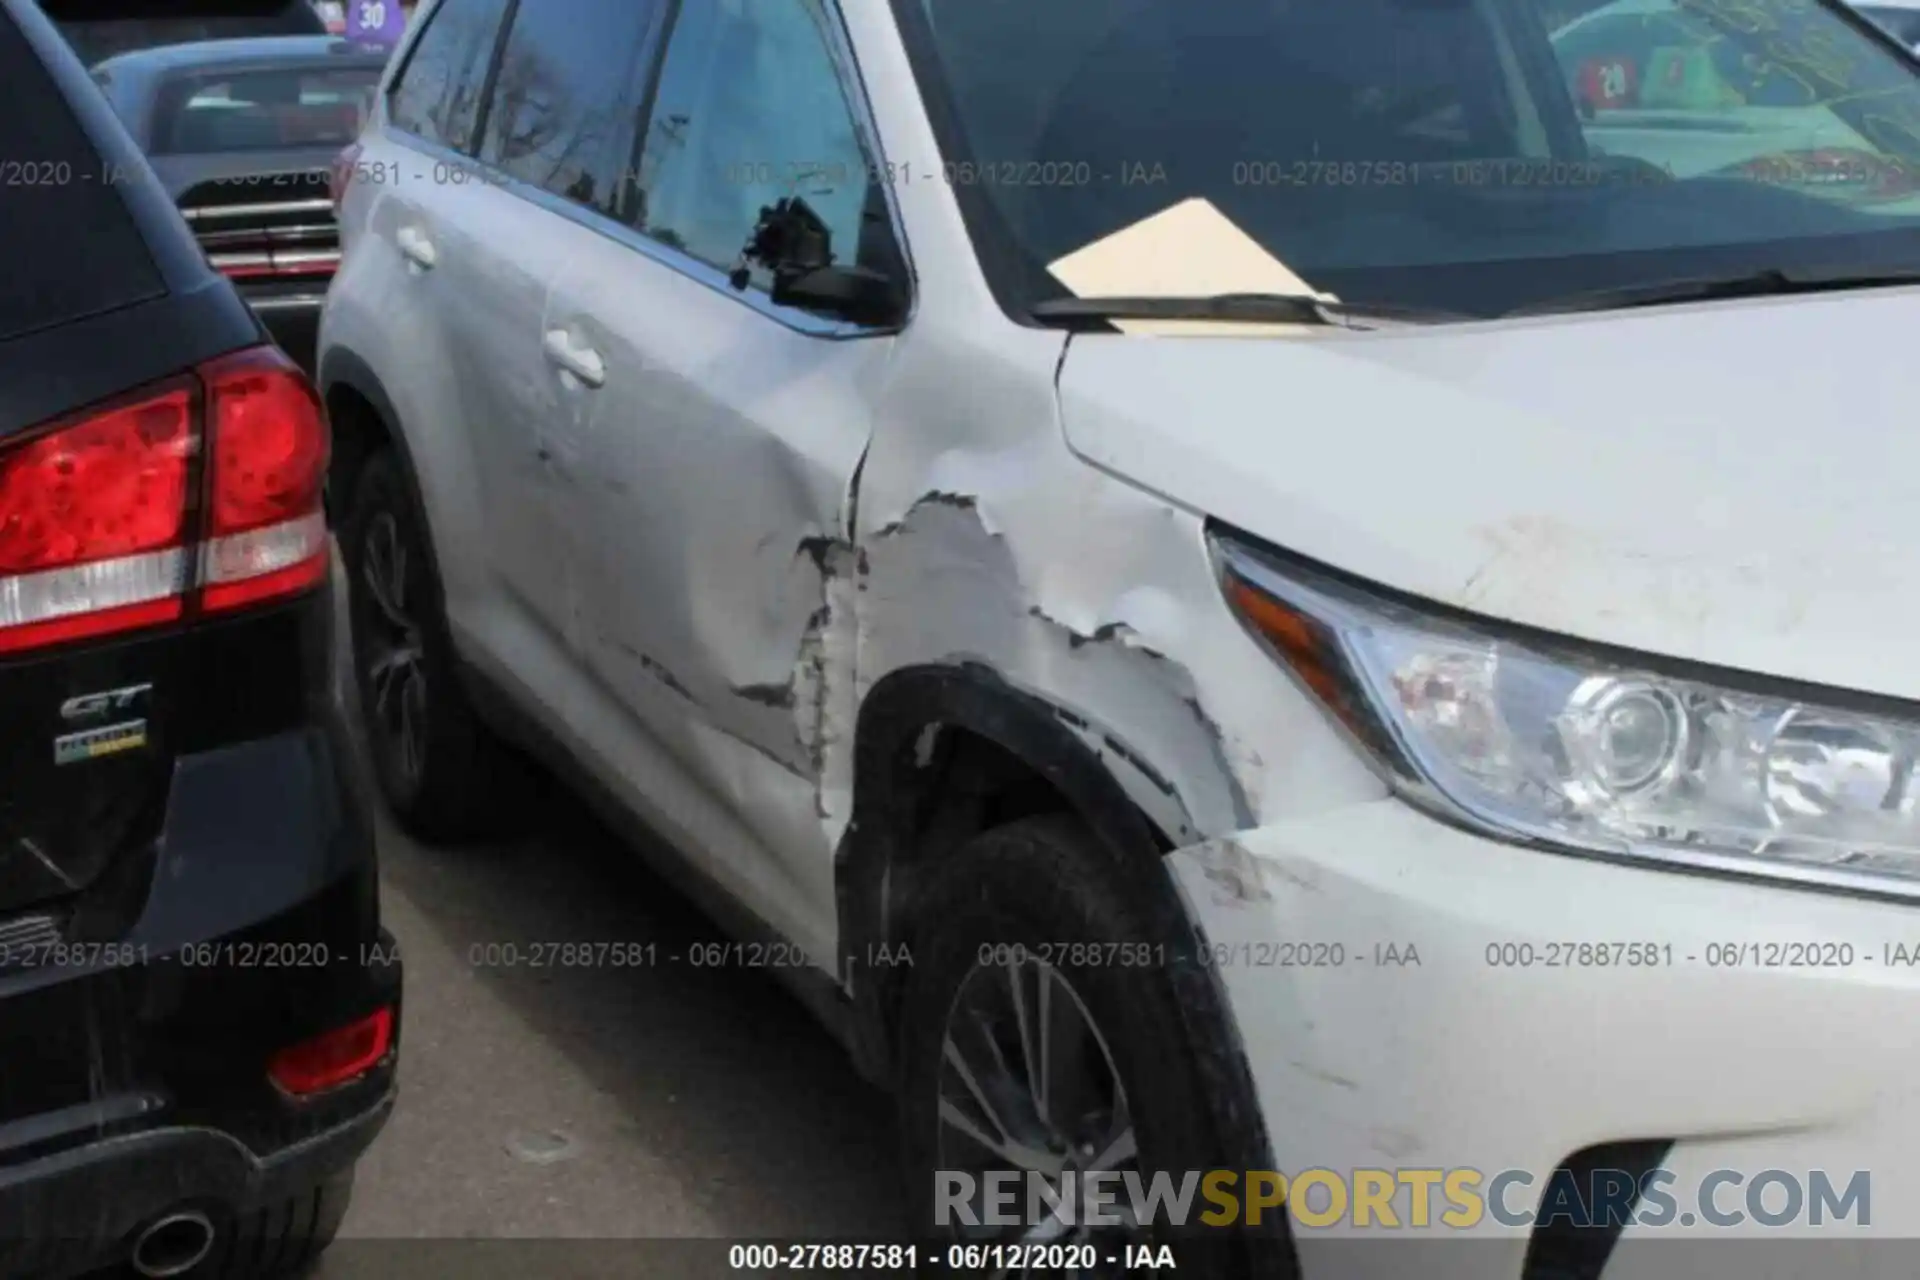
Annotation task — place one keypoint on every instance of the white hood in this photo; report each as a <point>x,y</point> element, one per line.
<point>1736,483</point>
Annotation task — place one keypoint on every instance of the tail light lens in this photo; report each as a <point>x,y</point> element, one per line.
<point>202,493</point>
<point>267,533</point>
<point>334,1058</point>
<point>94,522</point>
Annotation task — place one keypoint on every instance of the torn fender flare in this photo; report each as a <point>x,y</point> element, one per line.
<point>899,723</point>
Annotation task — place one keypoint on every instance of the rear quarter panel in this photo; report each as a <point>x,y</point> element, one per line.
<point>379,316</point>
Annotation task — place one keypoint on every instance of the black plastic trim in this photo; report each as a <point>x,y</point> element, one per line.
<point>1561,1249</point>
<point>343,367</point>
<point>876,880</point>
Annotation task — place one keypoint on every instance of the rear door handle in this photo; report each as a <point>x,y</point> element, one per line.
<point>418,249</point>
<point>582,362</point>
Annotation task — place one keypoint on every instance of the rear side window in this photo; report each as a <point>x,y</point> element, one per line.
<point>438,92</point>
<point>262,110</point>
<point>563,101</point>
<point>53,182</point>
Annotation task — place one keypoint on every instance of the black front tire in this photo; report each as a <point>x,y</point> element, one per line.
<point>1029,887</point>
<point>444,774</point>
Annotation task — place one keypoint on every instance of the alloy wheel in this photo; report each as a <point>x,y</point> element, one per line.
<point>394,675</point>
<point>1028,1083</point>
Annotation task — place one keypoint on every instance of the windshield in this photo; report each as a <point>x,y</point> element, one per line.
<point>1902,24</point>
<point>1471,155</point>
<point>262,110</point>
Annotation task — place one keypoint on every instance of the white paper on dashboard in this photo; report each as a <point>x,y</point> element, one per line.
<point>1188,249</point>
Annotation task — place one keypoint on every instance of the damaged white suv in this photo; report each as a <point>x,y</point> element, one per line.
<point>1254,586</point>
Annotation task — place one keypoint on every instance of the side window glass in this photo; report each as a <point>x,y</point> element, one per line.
<point>437,95</point>
<point>562,104</point>
<point>750,109</point>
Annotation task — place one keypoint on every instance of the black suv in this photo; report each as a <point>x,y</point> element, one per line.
<point>199,1010</point>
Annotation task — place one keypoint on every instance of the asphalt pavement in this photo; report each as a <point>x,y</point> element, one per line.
<point>570,1103</point>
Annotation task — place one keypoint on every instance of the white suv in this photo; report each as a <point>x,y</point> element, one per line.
<point>1226,588</point>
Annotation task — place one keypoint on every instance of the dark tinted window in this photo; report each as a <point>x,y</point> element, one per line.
<point>750,110</point>
<point>438,94</point>
<point>52,183</point>
<point>263,110</point>
<point>563,103</point>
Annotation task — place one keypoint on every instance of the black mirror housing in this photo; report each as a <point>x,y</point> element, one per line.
<point>858,294</point>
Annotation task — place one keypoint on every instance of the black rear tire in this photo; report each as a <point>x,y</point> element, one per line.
<point>1028,888</point>
<point>445,775</point>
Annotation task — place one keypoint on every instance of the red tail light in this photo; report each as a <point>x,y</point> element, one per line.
<point>93,522</point>
<point>204,492</point>
<point>266,531</point>
<point>342,176</point>
<point>330,1060</point>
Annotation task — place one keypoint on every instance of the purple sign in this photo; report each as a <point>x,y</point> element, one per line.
<point>376,22</point>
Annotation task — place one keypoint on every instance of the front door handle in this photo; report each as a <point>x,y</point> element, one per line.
<point>582,361</point>
<point>416,247</point>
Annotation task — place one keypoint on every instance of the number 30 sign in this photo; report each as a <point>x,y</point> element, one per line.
<point>376,21</point>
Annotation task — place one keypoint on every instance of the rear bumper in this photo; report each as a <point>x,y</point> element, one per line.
<point>1412,997</point>
<point>71,1212</point>
<point>136,1077</point>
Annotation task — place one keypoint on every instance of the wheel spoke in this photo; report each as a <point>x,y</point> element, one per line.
<point>1054,1105</point>
<point>1048,1229</point>
<point>1017,1154</point>
<point>397,583</point>
<point>412,712</point>
<point>385,674</point>
<point>1027,1027</point>
<point>1065,1039</point>
<point>956,1062</point>
<point>1120,1150</point>
<point>382,569</point>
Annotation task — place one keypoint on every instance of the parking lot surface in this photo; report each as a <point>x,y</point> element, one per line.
<point>592,1101</point>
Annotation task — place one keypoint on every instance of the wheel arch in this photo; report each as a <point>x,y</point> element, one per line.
<point>912,727</point>
<point>361,416</point>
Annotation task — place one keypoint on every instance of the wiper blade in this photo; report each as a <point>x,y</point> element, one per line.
<point>1247,308</point>
<point>1773,281</point>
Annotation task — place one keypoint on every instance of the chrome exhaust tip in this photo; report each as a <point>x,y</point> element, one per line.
<point>173,1245</point>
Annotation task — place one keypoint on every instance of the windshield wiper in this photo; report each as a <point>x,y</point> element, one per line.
<point>1773,281</point>
<point>1246,308</point>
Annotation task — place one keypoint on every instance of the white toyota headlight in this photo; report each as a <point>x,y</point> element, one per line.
<point>1538,741</point>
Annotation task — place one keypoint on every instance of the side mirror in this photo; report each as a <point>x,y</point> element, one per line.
<point>796,246</point>
<point>858,294</point>
<point>789,237</point>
